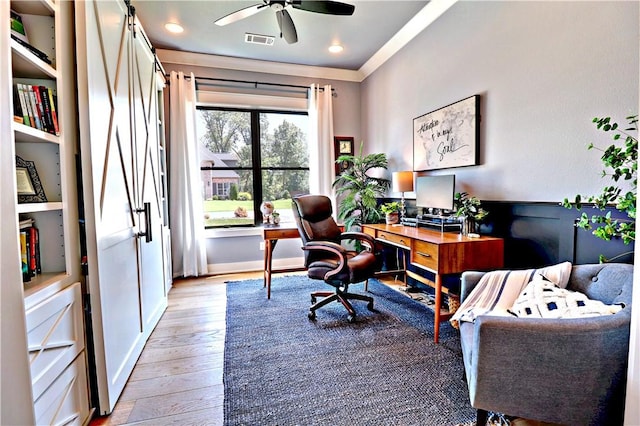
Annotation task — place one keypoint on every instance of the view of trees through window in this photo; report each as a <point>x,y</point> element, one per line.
<point>247,157</point>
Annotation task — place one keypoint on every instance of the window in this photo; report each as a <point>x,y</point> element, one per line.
<point>247,157</point>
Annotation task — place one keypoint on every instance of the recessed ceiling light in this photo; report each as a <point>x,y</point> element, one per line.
<point>172,27</point>
<point>336,48</point>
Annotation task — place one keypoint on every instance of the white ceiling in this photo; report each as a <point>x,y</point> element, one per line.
<point>363,34</point>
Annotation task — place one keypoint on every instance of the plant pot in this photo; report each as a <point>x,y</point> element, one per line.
<point>392,218</point>
<point>469,226</point>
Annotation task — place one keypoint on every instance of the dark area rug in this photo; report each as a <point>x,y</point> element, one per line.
<point>280,368</point>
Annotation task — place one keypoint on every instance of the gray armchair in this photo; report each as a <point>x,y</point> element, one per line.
<point>569,371</point>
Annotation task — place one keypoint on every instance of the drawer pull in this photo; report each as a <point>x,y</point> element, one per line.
<point>402,241</point>
<point>383,237</point>
<point>423,254</point>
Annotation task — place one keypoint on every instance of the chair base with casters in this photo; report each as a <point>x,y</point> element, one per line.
<point>340,295</point>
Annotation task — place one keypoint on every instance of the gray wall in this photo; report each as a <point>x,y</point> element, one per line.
<point>543,70</point>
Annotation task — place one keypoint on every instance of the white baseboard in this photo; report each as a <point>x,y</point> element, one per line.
<point>257,265</point>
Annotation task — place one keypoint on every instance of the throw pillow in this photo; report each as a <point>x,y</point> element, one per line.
<point>497,291</point>
<point>544,299</point>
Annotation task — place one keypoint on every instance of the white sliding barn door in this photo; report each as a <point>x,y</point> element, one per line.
<point>148,181</point>
<point>127,296</point>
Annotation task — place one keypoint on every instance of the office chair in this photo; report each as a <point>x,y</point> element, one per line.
<point>326,259</point>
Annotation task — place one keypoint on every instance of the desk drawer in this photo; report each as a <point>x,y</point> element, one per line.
<point>278,234</point>
<point>425,254</point>
<point>398,240</point>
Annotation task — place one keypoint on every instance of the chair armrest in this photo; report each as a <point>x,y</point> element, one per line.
<point>326,246</point>
<point>468,282</point>
<point>360,236</point>
<point>334,249</point>
<point>514,361</point>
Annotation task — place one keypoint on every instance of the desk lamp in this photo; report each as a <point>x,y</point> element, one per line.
<point>402,182</point>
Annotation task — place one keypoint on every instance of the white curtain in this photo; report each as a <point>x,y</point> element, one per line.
<point>188,245</point>
<point>321,164</point>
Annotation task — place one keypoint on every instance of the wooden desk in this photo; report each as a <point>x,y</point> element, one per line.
<point>441,253</point>
<point>271,235</point>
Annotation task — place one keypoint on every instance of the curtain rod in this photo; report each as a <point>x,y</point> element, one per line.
<point>255,83</point>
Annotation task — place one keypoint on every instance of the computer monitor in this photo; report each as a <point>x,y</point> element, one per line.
<point>435,192</point>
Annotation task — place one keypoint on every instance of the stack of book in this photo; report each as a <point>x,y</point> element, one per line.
<point>35,106</point>
<point>29,250</point>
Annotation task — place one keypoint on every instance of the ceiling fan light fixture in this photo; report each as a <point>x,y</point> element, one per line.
<point>174,28</point>
<point>336,48</point>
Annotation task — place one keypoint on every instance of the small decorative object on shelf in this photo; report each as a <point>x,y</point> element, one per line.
<point>266,208</point>
<point>28,183</point>
<point>275,218</point>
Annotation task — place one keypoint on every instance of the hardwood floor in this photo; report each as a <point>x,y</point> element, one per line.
<point>178,378</point>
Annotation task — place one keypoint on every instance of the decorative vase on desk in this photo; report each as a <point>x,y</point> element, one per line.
<point>469,226</point>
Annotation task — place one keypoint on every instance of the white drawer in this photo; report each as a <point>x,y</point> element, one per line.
<point>55,336</point>
<point>66,400</point>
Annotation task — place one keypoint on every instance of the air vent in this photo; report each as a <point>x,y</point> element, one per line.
<point>259,39</point>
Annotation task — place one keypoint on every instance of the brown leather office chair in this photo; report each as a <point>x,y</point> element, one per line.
<point>326,259</point>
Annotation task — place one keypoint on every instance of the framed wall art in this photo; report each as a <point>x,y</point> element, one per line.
<point>343,146</point>
<point>448,137</point>
<point>28,183</point>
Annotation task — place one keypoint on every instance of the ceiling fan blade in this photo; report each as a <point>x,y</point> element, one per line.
<point>240,14</point>
<point>287,29</point>
<point>327,7</point>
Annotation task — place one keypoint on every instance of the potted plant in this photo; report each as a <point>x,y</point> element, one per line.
<point>470,210</point>
<point>622,162</point>
<point>390,211</point>
<point>357,191</point>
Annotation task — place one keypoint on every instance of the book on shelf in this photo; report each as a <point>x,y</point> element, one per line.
<point>30,252</point>
<point>53,100</point>
<point>17,27</point>
<point>24,256</point>
<point>17,107</point>
<point>38,53</point>
<point>30,106</point>
<point>25,223</point>
<point>46,106</point>
<point>34,106</point>
<point>23,105</point>
<point>39,107</point>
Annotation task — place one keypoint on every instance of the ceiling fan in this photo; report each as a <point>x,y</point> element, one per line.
<point>285,23</point>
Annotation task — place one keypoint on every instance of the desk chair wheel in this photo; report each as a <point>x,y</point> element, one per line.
<point>312,315</point>
<point>351,318</point>
<point>370,306</point>
<point>313,300</point>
